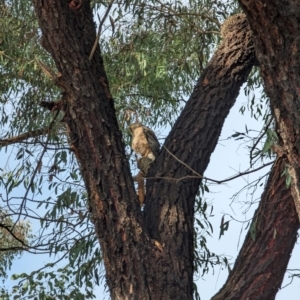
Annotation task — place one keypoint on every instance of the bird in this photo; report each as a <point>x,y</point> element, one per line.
<point>144,141</point>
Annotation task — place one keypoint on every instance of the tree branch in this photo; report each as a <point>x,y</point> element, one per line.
<point>23,136</point>
<point>281,75</point>
<point>192,140</point>
<point>263,259</point>
<point>198,176</point>
<point>100,28</point>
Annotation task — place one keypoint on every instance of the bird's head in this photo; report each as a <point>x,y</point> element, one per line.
<point>134,126</point>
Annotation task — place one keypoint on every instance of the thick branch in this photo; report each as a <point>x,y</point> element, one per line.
<point>169,208</point>
<point>69,33</point>
<point>275,25</point>
<point>263,259</point>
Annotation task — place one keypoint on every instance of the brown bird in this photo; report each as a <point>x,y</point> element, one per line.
<point>144,141</point>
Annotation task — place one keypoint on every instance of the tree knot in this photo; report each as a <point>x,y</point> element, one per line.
<point>75,4</point>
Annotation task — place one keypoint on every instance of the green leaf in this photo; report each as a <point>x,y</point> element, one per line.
<point>252,230</point>
<point>223,227</point>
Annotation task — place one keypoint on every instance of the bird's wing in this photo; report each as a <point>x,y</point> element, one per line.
<point>152,140</point>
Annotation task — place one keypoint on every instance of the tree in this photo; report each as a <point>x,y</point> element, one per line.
<point>141,257</point>
<point>12,239</point>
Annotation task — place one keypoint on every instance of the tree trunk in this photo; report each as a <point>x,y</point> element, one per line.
<point>275,25</point>
<point>261,264</point>
<point>69,33</point>
<point>260,267</point>
<point>135,267</point>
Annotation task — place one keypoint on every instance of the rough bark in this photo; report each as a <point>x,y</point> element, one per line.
<point>68,33</point>
<point>261,264</point>
<point>135,267</point>
<point>170,198</point>
<point>275,25</point>
<point>260,267</point>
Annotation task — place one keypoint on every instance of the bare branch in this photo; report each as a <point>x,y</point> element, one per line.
<point>99,29</point>
<point>23,136</point>
<point>206,178</point>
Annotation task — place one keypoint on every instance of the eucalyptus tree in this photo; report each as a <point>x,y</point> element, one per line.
<point>65,112</point>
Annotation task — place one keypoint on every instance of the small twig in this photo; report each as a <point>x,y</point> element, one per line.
<point>243,173</point>
<point>200,176</point>
<point>36,168</point>
<point>99,29</point>
<point>176,179</point>
<point>169,9</point>
<point>259,139</point>
<point>206,178</point>
<point>248,186</point>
